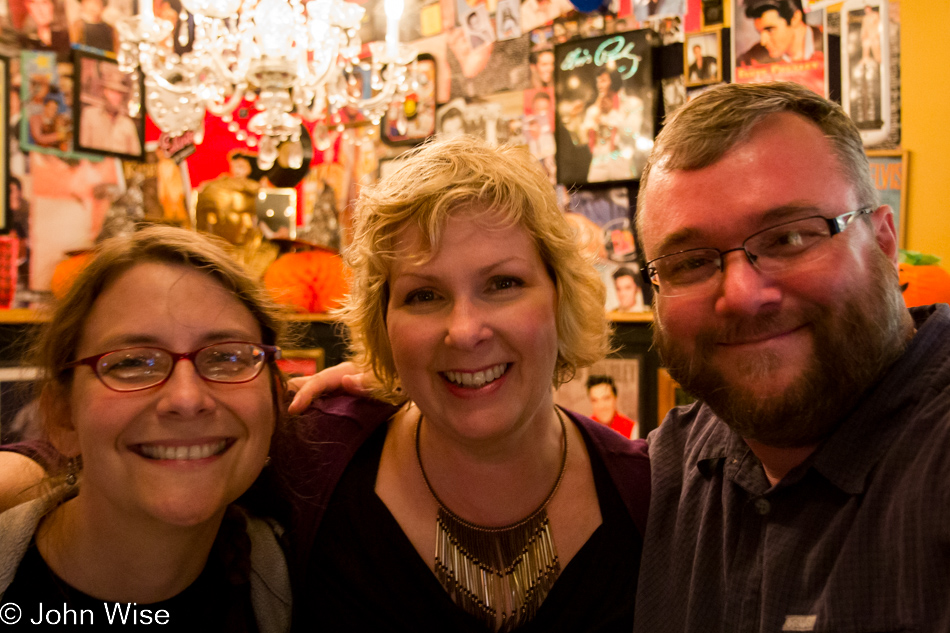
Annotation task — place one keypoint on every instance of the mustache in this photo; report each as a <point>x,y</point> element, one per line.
<point>749,330</point>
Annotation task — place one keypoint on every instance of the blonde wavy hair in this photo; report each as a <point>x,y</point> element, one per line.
<point>465,175</point>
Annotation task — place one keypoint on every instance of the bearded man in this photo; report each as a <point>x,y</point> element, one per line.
<point>809,489</point>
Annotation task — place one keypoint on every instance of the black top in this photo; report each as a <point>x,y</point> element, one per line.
<point>211,603</point>
<point>365,574</point>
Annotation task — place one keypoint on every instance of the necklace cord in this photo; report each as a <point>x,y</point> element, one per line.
<point>531,516</point>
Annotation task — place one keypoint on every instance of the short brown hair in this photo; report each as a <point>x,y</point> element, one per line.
<point>701,132</point>
<point>446,177</point>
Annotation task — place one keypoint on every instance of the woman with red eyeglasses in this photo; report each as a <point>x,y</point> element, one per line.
<point>162,396</point>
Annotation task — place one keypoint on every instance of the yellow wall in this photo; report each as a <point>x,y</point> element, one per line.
<point>925,105</point>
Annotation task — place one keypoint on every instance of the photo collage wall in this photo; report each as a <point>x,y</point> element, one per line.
<point>584,92</point>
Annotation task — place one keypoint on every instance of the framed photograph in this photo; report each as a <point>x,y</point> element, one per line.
<point>608,392</point>
<point>758,56</point>
<point>46,121</point>
<point>412,122</point>
<point>605,97</point>
<point>889,173</point>
<point>703,58</point>
<point>865,68</point>
<point>108,121</point>
<point>277,212</point>
<point>713,13</point>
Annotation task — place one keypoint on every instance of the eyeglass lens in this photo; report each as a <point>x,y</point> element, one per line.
<point>772,250</point>
<point>142,367</point>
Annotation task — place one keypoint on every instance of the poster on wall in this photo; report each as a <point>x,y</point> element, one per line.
<point>605,100</point>
<point>538,128</point>
<point>888,173</point>
<point>41,25</point>
<point>481,66</point>
<point>601,219</point>
<point>69,205</point>
<point>608,392</point>
<point>775,40</point>
<point>164,185</point>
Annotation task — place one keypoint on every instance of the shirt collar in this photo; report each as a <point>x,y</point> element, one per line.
<point>739,463</point>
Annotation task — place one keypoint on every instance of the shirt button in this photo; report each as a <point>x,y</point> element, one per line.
<point>762,506</point>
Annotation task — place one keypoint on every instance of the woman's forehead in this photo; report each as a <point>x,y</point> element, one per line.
<point>162,297</point>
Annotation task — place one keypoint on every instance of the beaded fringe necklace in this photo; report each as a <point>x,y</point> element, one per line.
<point>500,575</point>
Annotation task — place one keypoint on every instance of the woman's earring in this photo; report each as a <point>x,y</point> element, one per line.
<point>72,469</point>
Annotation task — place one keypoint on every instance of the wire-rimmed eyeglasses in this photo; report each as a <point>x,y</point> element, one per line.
<point>774,249</point>
<point>136,368</point>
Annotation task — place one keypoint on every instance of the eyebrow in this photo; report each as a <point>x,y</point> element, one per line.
<point>674,242</point>
<point>147,340</point>
<point>484,270</point>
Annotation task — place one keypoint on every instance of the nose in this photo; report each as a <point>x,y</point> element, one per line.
<point>744,290</point>
<point>467,325</point>
<point>185,393</point>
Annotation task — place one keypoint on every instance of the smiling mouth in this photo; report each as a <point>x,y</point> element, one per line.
<point>474,380</point>
<point>182,453</point>
<point>760,338</point>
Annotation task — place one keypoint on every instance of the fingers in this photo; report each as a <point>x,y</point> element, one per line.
<point>360,384</point>
<point>312,387</point>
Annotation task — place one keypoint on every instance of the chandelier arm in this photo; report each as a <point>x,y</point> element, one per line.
<point>229,106</point>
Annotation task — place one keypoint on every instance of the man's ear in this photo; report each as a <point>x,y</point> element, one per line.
<point>54,406</point>
<point>882,220</point>
<point>797,19</point>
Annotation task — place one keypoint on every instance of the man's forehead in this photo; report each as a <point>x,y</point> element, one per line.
<point>751,184</point>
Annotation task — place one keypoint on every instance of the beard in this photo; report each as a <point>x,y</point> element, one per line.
<point>853,344</point>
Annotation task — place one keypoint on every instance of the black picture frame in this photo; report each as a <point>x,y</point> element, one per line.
<point>421,125</point>
<point>100,89</point>
<point>605,134</point>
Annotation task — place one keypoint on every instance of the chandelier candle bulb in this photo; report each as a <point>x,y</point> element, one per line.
<point>146,10</point>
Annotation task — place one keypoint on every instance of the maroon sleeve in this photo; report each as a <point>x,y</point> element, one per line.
<point>40,452</point>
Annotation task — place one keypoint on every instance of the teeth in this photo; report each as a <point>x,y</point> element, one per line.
<point>182,453</point>
<point>478,378</point>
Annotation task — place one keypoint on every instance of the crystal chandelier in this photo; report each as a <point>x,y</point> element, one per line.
<point>292,59</point>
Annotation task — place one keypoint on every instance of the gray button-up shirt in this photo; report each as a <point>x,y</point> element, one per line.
<point>856,539</point>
